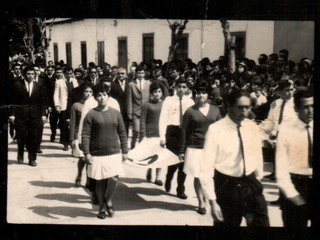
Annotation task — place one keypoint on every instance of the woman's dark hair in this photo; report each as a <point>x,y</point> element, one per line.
<point>84,86</point>
<point>155,86</point>
<point>100,88</point>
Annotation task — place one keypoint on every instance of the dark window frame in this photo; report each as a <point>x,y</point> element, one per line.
<point>101,53</point>
<point>125,64</point>
<point>69,54</point>
<point>83,51</point>
<point>147,51</point>
<point>55,52</point>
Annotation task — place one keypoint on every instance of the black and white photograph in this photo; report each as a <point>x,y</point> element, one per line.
<point>146,120</point>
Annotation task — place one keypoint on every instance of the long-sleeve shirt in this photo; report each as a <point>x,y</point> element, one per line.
<point>102,131</point>
<point>195,125</point>
<point>222,152</point>
<point>271,123</point>
<point>149,121</point>
<point>75,116</point>
<point>170,113</point>
<point>292,154</point>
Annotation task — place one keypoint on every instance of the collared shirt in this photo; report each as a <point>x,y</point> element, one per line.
<point>122,84</point>
<point>292,154</point>
<point>29,86</point>
<point>222,152</point>
<point>142,83</point>
<point>271,123</point>
<point>170,113</point>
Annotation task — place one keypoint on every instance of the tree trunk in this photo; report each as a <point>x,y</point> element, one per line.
<point>230,43</point>
<point>30,39</point>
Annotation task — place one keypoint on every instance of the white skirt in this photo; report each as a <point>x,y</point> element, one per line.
<point>193,157</point>
<point>104,167</point>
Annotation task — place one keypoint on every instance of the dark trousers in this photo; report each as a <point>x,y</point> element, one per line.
<point>54,117</point>
<point>64,127</point>
<point>173,144</point>
<point>11,129</point>
<point>240,197</point>
<point>296,217</point>
<point>40,134</point>
<point>31,142</point>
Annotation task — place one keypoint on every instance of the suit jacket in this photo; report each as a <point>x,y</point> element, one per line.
<point>61,93</point>
<point>120,95</point>
<point>88,80</point>
<point>136,98</point>
<point>28,109</point>
<point>50,85</point>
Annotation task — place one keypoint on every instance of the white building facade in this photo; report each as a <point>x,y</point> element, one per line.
<point>122,41</point>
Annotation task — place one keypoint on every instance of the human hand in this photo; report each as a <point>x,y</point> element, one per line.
<point>216,212</point>
<point>181,157</point>
<point>297,200</point>
<point>58,110</point>
<point>124,157</point>
<point>49,109</point>
<point>11,119</point>
<point>88,159</point>
<point>44,119</point>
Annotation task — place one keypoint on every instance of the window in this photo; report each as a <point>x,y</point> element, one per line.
<point>148,47</point>
<point>182,49</point>
<point>240,50</point>
<point>55,53</point>
<point>83,49</point>
<point>122,52</point>
<point>69,54</point>
<point>100,46</point>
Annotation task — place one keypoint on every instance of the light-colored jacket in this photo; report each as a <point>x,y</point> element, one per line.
<point>60,96</point>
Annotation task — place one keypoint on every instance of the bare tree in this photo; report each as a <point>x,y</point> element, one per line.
<point>177,29</point>
<point>231,45</point>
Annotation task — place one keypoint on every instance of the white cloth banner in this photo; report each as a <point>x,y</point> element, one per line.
<point>149,154</point>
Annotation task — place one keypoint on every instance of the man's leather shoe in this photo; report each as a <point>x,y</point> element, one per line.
<point>20,159</point>
<point>65,148</point>
<point>276,202</point>
<point>271,176</point>
<point>182,195</point>
<point>32,163</point>
<point>39,150</point>
<point>167,186</point>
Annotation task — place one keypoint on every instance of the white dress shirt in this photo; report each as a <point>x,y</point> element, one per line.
<point>122,84</point>
<point>292,154</point>
<point>170,113</point>
<point>271,123</point>
<point>29,87</point>
<point>222,152</point>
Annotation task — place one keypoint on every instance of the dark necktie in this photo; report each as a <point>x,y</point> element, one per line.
<point>140,85</point>
<point>180,110</point>
<point>310,148</point>
<point>242,150</point>
<point>281,112</point>
<point>29,89</point>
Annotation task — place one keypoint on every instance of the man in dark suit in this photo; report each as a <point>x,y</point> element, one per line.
<point>138,93</point>
<point>92,76</point>
<point>29,114</point>
<point>40,78</point>
<point>157,77</point>
<point>119,89</point>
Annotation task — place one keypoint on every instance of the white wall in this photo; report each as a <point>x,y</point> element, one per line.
<point>205,38</point>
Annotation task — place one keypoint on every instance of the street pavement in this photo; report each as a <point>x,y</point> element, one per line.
<point>46,194</point>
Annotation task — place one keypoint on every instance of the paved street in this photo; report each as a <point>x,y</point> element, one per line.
<point>46,194</point>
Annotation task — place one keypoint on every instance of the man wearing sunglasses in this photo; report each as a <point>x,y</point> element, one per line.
<point>171,115</point>
<point>92,76</point>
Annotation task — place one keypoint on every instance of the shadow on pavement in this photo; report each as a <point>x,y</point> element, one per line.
<point>72,212</point>
<point>54,147</point>
<point>65,197</point>
<point>54,184</point>
<point>132,180</point>
<point>53,155</point>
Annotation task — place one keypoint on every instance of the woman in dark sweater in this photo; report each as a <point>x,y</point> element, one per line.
<point>195,123</point>
<point>149,122</point>
<point>103,135</point>
<point>75,114</point>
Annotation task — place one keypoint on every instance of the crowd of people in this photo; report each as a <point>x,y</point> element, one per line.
<point>221,124</point>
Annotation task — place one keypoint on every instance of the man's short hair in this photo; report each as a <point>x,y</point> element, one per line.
<point>303,92</point>
<point>121,69</point>
<point>90,68</point>
<point>235,94</point>
<point>28,68</point>
<point>58,68</point>
<point>284,83</point>
<point>15,65</point>
<point>77,70</point>
<point>68,68</point>
<point>181,81</point>
<point>139,68</point>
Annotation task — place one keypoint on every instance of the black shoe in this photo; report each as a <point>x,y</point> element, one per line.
<point>167,186</point>
<point>271,176</point>
<point>32,163</point>
<point>102,215</point>
<point>52,138</point>
<point>39,150</point>
<point>158,182</point>
<point>65,148</point>
<point>182,195</point>
<point>78,182</point>
<point>202,211</point>
<point>20,159</point>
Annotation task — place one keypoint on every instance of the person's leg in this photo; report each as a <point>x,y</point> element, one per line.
<point>21,144</point>
<point>63,130</point>
<point>157,180</point>
<point>111,189</point>
<point>54,117</point>
<point>180,181</point>
<point>81,164</point>
<point>199,193</point>
<point>101,192</point>
<point>170,172</point>
<point>135,131</point>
